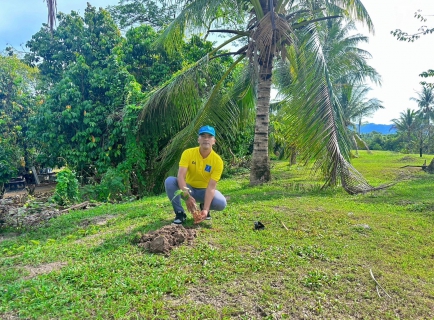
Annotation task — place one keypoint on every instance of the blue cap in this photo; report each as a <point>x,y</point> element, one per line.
<point>207,129</point>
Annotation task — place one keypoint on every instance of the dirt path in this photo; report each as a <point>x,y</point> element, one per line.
<point>42,188</point>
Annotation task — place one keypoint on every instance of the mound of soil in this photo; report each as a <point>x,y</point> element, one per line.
<point>165,239</point>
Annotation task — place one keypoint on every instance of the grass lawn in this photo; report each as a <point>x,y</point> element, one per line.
<point>316,258</point>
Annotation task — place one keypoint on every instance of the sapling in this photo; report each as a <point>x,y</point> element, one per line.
<point>196,212</point>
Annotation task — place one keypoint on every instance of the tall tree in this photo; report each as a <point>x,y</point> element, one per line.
<point>87,86</point>
<point>425,102</point>
<point>131,13</point>
<point>343,98</point>
<point>17,100</point>
<point>267,28</point>
<point>52,12</point>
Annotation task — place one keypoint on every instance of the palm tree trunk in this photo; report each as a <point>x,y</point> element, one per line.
<point>293,158</point>
<point>428,151</point>
<point>260,168</point>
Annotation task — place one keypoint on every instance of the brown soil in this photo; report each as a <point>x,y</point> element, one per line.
<point>42,188</point>
<point>43,269</point>
<point>165,239</point>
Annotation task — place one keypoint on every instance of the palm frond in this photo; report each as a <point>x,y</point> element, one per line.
<point>180,107</point>
<point>354,9</point>
<point>315,109</point>
<point>195,17</point>
<point>175,102</point>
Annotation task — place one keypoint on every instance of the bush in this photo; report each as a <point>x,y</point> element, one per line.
<point>114,186</point>
<point>66,192</point>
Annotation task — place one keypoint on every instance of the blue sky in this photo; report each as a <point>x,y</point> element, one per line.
<point>399,63</point>
<point>21,19</point>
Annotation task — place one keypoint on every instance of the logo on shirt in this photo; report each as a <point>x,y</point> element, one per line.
<point>208,168</point>
<point>193,162</point>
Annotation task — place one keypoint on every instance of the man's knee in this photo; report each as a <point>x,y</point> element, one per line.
<point>170,181</point>
<point>219,203</point>
<point>171,185</point>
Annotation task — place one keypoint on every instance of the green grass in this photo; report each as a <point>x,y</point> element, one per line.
<point>318,268</point>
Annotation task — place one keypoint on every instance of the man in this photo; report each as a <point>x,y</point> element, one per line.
<point>200,169</point>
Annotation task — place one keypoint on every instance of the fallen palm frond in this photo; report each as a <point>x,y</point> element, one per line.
<point>353,182</point>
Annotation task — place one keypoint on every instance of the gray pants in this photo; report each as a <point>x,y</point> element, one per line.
<point>171,185</point>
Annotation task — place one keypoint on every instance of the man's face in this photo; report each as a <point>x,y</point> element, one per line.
<point>206,141</point>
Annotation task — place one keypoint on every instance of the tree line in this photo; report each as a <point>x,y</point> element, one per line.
<point>414,128</point>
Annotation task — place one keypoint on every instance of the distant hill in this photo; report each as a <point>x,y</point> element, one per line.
<point>381,128</point>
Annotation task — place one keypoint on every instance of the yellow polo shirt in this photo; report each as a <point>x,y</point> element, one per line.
<point>199,170</point>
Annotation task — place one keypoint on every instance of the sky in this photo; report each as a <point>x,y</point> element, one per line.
<point>399,63</point>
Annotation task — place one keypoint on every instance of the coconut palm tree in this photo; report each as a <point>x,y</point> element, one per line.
<point>356,106</point>
<point>268,31</point>
<point>345,69</point>
<point>342,91</point>
<point>425,102</point>
<point>406,124</point>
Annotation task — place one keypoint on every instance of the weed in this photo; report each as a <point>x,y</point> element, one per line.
<point>317,279</point>
<point>310,252</point>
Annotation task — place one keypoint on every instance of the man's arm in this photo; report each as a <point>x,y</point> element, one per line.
<point>182,173</point>
<point>182,184</point>
<point>209,194</point>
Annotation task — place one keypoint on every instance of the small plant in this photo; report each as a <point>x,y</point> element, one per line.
<point>66,191</point>
<point>317,279</point>
<point>310,253</point>
<point>180,192</point>
<point>196,212</point>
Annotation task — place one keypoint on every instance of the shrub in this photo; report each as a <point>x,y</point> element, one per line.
<point>66,192</point>
<point>114,186</point>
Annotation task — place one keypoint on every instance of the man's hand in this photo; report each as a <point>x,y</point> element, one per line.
<point>204,213</point>
<point>191,204</point>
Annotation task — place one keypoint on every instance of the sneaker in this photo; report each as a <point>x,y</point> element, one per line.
<point>180,217</point>
<point>208,216</point>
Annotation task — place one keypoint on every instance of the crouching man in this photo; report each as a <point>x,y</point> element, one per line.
<point>200,169</point>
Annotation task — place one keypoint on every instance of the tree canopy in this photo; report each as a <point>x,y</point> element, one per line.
<point>17,96</point>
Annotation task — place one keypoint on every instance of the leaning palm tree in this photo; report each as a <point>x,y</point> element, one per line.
<point>267,31</point>
<point>345,68</point>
